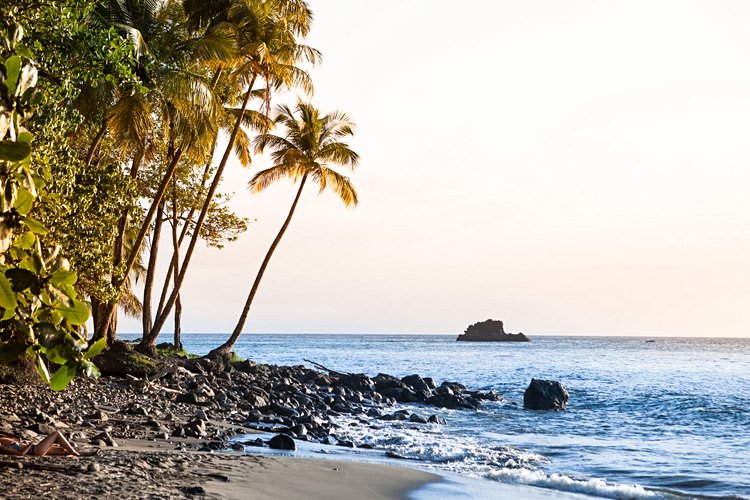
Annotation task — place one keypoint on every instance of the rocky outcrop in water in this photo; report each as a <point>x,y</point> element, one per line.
<point>490,331</point>
<point>545,395</point>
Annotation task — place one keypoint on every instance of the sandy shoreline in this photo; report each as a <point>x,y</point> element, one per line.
<point>150,469</point>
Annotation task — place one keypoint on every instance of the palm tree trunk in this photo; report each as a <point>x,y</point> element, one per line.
<point>118,280</point>
<point>224,350</point>
<point>183,233</point>
<point>95,144</point>
<point>148,285</point>
<point>176,244</point>
<point>106,310</point>
<point>161,319</point>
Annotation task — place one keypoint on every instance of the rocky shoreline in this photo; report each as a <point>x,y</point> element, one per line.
<point>186,407</point>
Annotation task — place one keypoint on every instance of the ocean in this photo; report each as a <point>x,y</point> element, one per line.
<point>645,419</point>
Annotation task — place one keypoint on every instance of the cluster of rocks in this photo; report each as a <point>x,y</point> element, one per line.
<point>193,402</point>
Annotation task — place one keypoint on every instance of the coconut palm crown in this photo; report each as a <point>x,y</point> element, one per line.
<point>311,144</point>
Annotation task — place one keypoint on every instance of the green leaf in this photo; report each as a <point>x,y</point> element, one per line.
<point>95,348</point>
<point>90,369</point>
<point>62,377</point>
<point>41,367</point>
<point>34,226</point>
<point>10,351</point>
<point>20,279</point>
<point>77,314</point>
<point>24,201</point>
<point>59,295</point>
<point>25,136</point>
<point>8,313</point>
<point>7,295</point>
<point>25,241</point>
<point>14,151</point>
<point>63,278</point>
<point>12,71</point>
<point>57,355</point>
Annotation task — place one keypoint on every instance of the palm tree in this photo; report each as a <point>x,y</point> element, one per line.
<point>176,114</point>
<point>268,51</point>
<point>312,143</point>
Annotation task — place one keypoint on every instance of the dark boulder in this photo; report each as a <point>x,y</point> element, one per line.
<point>282,442</point>
<point>490,331</point>
<point>416,382</point>
<point>545,395</point>
<point>357,382</point>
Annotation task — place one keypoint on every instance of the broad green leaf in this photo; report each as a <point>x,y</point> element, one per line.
<point>24,201</point>
<point>63,278</point>
<point>20,279</point>
<point>59,296</point>
<point>41,367</point>
<point>62,377</point>
<point>95,348</point>
<point>77,314</point>
<point>25,241</point>
<point>57,355</point>
<point>90,369</point>
<point>7,295</point>
<point>12,71</point>
<point>8,313</point>
<point>35,226</point>
<point>10,351</point>
<point>14,151</point>
<point>25,136</point>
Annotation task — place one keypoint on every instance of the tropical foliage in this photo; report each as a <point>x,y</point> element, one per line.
<point>132,102</point>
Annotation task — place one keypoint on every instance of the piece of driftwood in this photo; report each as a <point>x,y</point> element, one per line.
<point>321,367</point>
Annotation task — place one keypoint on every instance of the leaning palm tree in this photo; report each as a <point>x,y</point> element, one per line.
<point>311,144</point>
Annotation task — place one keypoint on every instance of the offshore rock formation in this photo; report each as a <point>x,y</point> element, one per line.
<point>490,331</point>
<point>545,395</point>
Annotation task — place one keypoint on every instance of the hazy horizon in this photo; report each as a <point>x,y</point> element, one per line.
<point>571,167</point>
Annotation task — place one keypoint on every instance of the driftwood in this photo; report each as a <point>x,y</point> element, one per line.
<point>321,367</point>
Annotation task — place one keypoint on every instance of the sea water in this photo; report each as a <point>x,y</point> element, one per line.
<point>645,419</point>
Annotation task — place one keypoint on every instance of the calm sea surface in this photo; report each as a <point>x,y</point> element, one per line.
<point>644,418</point>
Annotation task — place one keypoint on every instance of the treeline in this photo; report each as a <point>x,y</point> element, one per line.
<point>117,121</point>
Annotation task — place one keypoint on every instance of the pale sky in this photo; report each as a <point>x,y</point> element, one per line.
<point>569,167</point>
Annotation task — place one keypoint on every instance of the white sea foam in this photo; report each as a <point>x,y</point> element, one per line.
<point>594,486</point>
<point>467,456</point>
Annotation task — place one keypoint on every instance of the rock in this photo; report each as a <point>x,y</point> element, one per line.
<point>545,395</point>
<point>434,419</point>
<point>99,415</point>
<point>189,398</point>
<point>282,442</point>
<point>94,467</point>
<point>490,331</point>
<point>416,382</point>
<point>417,419</point>
<point>357,382</point>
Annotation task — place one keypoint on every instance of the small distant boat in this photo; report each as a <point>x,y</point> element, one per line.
<point>650,341</point>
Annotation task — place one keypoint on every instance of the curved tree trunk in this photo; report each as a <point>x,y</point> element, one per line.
<point>96,142</point>
<point>224,350</point>
<point>183,233</point>
<point>117,281</point>
<point>161,319</point>
<point>148,285</point>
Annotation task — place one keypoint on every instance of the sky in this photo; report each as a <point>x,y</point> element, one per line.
<point>572,168</point>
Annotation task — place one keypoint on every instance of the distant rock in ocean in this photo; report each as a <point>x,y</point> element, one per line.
<point>490,331</point>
